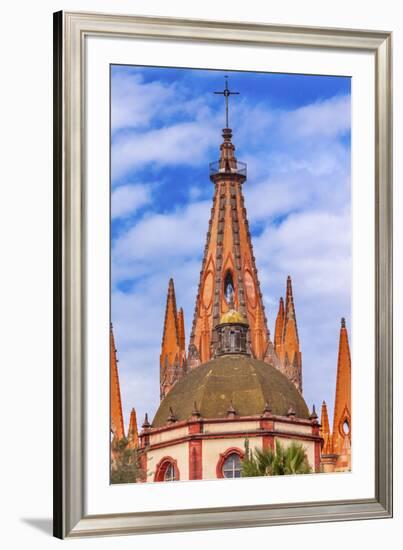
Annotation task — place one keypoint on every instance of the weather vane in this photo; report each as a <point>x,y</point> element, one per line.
<point>226,93</point>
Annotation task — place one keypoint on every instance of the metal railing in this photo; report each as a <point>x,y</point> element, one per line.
<point>216,169</point>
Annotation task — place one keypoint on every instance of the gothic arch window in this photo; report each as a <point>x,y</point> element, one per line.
<point>230,463</point>
<point>167,470</point>
<point>170,473</point>
<point>229,290</point>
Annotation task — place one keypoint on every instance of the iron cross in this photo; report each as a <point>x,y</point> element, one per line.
<point>226,93</point>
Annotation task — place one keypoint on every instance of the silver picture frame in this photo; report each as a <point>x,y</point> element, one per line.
<point>70,33</point>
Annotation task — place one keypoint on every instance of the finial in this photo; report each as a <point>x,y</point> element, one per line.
<point>195,412</point>
<point>267,410</point>
<point>226,93</point>
<point>231,410</point>
<point>146,423</point>
<point>343,322</point>
<point>171,418</point>
<point>313,416</point>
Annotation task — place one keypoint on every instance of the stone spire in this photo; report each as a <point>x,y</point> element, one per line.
<point>325,431</point>
<point>173,357</point>
<point>289,307</point>
<point>279,330</point>
<point>117,426</point>
<point>181,330</point>
<point>286,340</point>
<point>228,277</point>
<point>133,434</point>
<point>342,403</point>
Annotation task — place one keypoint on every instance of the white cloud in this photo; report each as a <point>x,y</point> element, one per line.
<point>127,199</point>
<point>327,119</point>
<point>182,143</point>
<point>160,239</point>
<point>134,102</point>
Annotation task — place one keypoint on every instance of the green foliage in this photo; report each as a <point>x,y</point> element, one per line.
<point>126,463</point>
<point>277,462</point>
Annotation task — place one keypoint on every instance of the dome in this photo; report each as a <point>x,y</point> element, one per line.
<point>233,316</point>
<point>238,380</point>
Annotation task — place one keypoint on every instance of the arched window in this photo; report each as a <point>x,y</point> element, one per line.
<point>170,473</point>
<point>229,288</point>
<point>232,466</point>
<point>167,470</point>
<point>230,463</point>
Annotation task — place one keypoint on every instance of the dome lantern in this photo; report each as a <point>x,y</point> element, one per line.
<point>232,334</point>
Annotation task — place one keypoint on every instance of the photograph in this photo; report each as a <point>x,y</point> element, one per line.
<point>230,274</point>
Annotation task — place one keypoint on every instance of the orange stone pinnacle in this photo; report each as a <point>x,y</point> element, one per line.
<point>342,404</point>
<point>173,355</point>
<point>117,426</point>
<point>181,330</point>
<point>325,431</point>
<point>133,435</point>
<point>228,277</point>
<point>279,330</point>
<point>286,340</point>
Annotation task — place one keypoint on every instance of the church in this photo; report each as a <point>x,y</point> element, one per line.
<point>233,382</point>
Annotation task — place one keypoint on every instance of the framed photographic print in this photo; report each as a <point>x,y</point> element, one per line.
<point>223,240</point>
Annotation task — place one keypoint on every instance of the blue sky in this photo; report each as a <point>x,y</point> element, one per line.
<point>293,131</point>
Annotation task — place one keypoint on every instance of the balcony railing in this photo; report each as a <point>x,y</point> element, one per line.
<point>216,169</point>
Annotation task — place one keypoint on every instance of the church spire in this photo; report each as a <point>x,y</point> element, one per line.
<point>117,426</point>
<point>325,430</point>
<point>342,404</point>
<point>181,330</point>
<point>133,435</point>
<point>172,358</point>
<point>286,340</point>
<point>279,330</point>
<point>228,278</point>
<point>289,307</point>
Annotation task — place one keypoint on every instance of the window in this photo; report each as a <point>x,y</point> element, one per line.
<point>232,341</point>
<point>170,473</point>
<point>229,289</point>
<point>167,470</point>
<point>232,466</point>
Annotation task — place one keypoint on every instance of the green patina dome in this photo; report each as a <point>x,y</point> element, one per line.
<point>246,383</point>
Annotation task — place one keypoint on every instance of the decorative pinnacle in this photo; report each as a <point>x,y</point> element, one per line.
<point>196,412</point>
<point>171,417</point>
<point>231,410</point>
<point>226,93</point>
<point>267,409</point>
<point>343,322</point>
<point>313,416</point>
<point>146,423</point>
